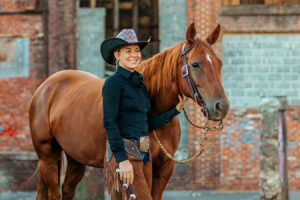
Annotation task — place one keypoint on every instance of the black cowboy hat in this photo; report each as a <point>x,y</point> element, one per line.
<point>125,37</point>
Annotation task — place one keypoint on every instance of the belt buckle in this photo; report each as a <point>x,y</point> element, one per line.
<point>144,144</point>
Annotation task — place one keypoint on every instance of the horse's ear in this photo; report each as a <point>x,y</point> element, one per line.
<point>191,33</point>
<point>213,37</point>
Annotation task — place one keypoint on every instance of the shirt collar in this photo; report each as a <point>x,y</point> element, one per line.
<point>126,73</point>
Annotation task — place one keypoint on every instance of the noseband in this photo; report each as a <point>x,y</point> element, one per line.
<point>194,93</point>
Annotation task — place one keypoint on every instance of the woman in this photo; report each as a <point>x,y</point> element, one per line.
<point>127,116</point>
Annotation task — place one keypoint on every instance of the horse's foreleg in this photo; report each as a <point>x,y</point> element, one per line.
<point>74,174</point>
<point>161,177</point>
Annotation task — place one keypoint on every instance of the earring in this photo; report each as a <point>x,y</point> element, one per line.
<point>117,64</point>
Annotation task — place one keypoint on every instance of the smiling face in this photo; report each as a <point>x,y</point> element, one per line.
<point>205,70</point>
<point>129,56</point>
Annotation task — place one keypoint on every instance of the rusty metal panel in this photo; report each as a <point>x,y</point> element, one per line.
<point>14,57</point>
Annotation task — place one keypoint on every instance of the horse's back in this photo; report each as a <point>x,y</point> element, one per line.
<point>70,103</point>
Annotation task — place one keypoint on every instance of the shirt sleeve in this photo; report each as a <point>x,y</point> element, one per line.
<point>162,119</point>
<point>111,93</point>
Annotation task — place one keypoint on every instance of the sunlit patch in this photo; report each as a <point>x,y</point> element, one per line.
<point>208,58</point>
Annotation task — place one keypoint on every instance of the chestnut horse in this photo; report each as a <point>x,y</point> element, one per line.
<point>66,114</point>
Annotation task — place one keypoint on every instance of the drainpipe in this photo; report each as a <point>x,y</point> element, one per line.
<point>46,37</point>
<point>116,17</point>
<point>135,17</point>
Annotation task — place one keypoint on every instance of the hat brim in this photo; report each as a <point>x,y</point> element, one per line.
<point>109,45</point>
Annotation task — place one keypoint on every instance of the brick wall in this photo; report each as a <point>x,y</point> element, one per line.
<point>22,20</point>
<point>293,123</point>
<point>61,35</point>
<point>240,150</point>
<point>16,92</point>
<point>257,63</point>
<point>204,172</point>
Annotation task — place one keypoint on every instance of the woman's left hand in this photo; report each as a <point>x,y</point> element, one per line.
<point>181,103</point>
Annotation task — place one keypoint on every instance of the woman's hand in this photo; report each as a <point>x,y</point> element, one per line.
<point>126,172</point>
<point>181,103</point>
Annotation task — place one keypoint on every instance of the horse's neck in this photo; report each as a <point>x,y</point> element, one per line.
<point>165,99</point>
<point>161,79</point>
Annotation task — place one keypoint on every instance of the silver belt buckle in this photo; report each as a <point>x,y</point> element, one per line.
<point>144,144</point>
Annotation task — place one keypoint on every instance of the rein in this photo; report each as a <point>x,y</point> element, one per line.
<point>194,93</point>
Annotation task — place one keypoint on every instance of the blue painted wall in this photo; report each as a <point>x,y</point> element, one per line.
<point>90,33</point>
<point>14,57</point>
<point>261,65</point>
<point>172,29</point>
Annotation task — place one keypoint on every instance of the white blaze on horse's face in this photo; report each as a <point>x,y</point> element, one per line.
<point>208,58</point>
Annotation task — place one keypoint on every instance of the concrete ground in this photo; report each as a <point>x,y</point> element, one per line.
<point>214,195</point>
<point>17,195</point>
<point>168,195</point>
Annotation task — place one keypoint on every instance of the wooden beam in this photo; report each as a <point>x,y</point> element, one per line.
<point>12,35</point>
<point>122,5</point>
<point>93,3</point>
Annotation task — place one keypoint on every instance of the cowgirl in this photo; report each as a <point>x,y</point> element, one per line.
<point>127,116</point>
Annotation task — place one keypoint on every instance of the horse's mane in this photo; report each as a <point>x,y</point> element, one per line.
<point>160,70</point>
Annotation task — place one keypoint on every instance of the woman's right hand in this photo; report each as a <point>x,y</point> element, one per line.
<point>126,172</point>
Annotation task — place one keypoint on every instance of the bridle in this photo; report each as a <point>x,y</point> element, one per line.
<point>194,93</point>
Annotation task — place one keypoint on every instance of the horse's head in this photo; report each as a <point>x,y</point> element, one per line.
<point>204,68</point>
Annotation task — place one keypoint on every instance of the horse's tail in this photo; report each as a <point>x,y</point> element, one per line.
<point>34,173</point>
<point>61,168</point>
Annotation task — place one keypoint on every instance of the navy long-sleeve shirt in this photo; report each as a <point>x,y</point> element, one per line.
<point>126,110</point>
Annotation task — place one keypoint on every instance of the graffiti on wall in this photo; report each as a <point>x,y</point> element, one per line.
<point>8,126</point>
<point>244,133</point>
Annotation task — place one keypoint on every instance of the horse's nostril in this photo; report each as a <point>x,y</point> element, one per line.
<point>218,106</point>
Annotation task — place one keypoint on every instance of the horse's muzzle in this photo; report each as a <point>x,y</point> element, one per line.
<point>219,109</point>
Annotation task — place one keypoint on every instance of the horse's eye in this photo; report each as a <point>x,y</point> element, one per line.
<point>195,65</point>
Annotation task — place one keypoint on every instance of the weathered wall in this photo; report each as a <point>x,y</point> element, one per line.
<point>22,63</point>
<point>205,171</point>
<point>61,35</point>
<point>21,72</point>
<point>172,22</point>
<point>260,48</point>
<point>90,34</point>
<point>256,65</point>
<point>23,67</point>
<point>16,171</point>
<point>240,150</point>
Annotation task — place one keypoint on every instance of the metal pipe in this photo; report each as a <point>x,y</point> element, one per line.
<point>116,17</point>
<point>46,36</point>
<point>135,17</point>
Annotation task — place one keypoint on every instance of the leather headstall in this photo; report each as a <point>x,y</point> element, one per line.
<point>194,93</point>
